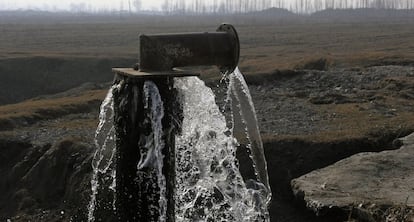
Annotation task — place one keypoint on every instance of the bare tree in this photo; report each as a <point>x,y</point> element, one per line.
<point>299,6</point>
<point>137,5</point>
<point>214,7</point>
<point>78,8</point>
<point>182,6</point>
<point>166,6</point>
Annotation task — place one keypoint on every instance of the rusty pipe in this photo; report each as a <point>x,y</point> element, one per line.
<point>163,52</point>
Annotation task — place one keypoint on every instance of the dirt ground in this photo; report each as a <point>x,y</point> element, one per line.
<point>323,90</point>
<point>309,119</point>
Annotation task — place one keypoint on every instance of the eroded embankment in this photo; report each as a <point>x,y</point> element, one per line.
<point>309,120</point>
<point>43,180</point>
<point>44,183</point>
<point>290,158</point>
<point>28,77</point>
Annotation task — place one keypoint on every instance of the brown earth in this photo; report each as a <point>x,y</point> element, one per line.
<point>355,95</point>
<point>303,130</point>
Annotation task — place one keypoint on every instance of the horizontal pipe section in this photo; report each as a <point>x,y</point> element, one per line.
<point>164,52</point>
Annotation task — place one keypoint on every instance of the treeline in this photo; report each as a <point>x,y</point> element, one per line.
<point>298,6</point>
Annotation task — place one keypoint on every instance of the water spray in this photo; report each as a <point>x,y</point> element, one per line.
<point>145,169</point>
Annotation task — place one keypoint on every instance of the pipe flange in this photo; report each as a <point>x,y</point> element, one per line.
<point>236,46</point>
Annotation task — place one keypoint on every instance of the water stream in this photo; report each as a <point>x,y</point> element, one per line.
<point>105,150</point>
<point>241,102</point>
<point>209,186</point>
<point>153,156</point>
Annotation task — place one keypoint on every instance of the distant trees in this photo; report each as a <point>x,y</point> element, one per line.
<point>243,6</point>
<point>308,6</point>
<point>78,8</point>
<point>299,6</point>
<point>223,6</point>
<point>218,6</point>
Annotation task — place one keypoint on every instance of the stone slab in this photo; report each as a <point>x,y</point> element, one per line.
<point>372,183</point>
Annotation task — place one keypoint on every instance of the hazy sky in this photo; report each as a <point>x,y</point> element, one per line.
<point>59,4</point>
<point>95,4</point>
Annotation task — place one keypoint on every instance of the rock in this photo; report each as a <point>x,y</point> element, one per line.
<point>366,186</point>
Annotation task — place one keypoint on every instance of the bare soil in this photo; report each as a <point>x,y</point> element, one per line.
<point>309,120</point>
<point>323,90</point>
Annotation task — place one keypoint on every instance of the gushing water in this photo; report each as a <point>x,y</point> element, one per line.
<point>153,156</point>
<point>209,184</point>
<point>241,101</point>
<point>105,149</point>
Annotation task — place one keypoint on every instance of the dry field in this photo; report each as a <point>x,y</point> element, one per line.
<point>309,119</point>
<point>266,43</point>
<point>38,50</point>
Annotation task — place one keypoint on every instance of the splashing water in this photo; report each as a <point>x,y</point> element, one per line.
<point>209,184</point>
<point>105,149</point>
<point>153,157</point>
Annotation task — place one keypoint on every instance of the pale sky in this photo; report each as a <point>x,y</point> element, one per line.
<point>62,5</point>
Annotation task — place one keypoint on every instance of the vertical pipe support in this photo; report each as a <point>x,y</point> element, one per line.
<point>137,191</point>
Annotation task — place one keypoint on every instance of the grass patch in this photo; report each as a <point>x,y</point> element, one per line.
<point>31,111</point>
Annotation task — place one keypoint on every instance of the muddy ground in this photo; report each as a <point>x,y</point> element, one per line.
<point>309,119</point>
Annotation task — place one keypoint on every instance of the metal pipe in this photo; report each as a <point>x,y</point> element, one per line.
<point>137,195</point>
<point>163,52</point>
